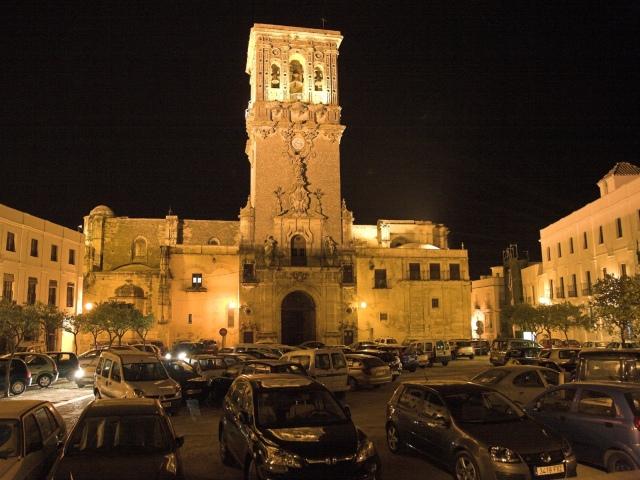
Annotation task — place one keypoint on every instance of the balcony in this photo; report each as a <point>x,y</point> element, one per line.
<point>572,291</point>
<point>587,289</point>
<point>560,293</point>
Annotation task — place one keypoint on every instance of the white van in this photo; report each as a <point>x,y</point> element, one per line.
<point>432,351</point>
<point>327,365</point>
<point>129,374</point>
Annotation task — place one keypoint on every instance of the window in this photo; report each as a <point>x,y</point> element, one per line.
<point>570,244</point>
<point>46,427</point>
<point>561,290</point>
<point>347,274</point>
<point>435,303</point>
<point>32,283</point>
<point>7,287</point>
<point>559,250</point>
<point>106,368</point>
<point>196,280</point>
<point>72,257</point>
<point>588,281</point>
<point>585,242</point>
<point>573,288</point>
<point>454,271</point>
<point>338,360</point>
<point>384,316</point>
<point>528,379</point>
<point>619,227</point>
<point>411,398</point>
<point>434,271</point>
<point>53,292</point>
<point>54,253</point>
<point>303,360</point>
<point>33,438</point>
<point>34,247</point>
<point>323,362</point>
<point>11,242</point>
<point>623,270</point>
<point>597,404</point>
<point>551,377</point>
<point>231,317</point>
<point>380,278</point>
<point>140,248</point>
<point>189,318</point>
<point>248,272</point>
<point>298,251</point>
<point>70,294</point>
<point>551,289</point>
<point>414,271</point>
<point>557,401</point>
<point>548,254</point>
<point>600,235</point>
<point>115,372</point>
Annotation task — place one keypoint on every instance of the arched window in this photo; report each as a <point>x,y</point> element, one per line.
<point>140,248</point>
<point>298,251</point>
<point>275,75</point>
<point>318,79</point>
<point>213,241</point>
<point>296,79</point>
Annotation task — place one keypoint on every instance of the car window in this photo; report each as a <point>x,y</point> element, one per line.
<point>115,372</point>
<point>9,438</point>
<point>144,372</point>
<point>433,406</point>
<point>99,366</point>
<point>106,368</point>
<point>412,398</point>
<point>32,435</point>
<point>303,360</point>
<point>46,427</point>
<point>297,369</point>
<point>338,360</point>
<point>557,401</point>
<point>237,393</point>
<point>633,399</point>
<point>567,354</point>
<point>597,404</point>
<point>297,407</point>
<point>602,369</point>
<point>322,361</point>
<point>551,377</point>
<point>263,369</point>
<point>528,379</point>
<point>491,377</point>
<point>545,354</point>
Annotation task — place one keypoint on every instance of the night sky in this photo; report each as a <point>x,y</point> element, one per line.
<point>494,118</point>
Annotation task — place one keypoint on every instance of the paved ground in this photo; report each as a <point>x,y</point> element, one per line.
<point>199,425</point>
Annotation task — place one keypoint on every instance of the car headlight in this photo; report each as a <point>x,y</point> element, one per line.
<point>366,450</point>
<point>503,455</point>
<point>280,461</point>
<point>182,356</point>
<point>566,448</point>
<point>138,393</point>
<point>79,373</point>
<point>167,356</point>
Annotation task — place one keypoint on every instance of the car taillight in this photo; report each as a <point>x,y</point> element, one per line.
<point>636,422</point>
<point>28,373</point>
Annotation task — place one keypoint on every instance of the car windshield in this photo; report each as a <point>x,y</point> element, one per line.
<point>478,406</point>
<point>288,368</point>
<point>490,377</point>
<point>288,407</point>
<point>9,438</point>
<point>210,364</point>
<point>463,343</point>
<point>144,372</point>
<point>124,435</point>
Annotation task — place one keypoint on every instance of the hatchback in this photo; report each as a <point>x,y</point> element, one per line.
<point>20,376</point>
<point>42,367</point>
<point>601,420</point>
<point>475,431</point>
<point>67,363</point>
<point>125,439</point>
<point>291,427</point>
<point>367,371</point>
<point>521,383</point>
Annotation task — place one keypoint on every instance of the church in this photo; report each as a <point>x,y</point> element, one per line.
<point>294,267</point>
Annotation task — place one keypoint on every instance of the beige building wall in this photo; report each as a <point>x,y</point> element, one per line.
<point>487,298</point>
<point>47,255</point>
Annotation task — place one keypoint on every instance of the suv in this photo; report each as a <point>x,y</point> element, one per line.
<point>432,351</point>
<point>462,348</point>
<point>609,365</point>
<point>290,426</point>
<point>481,347</point>
<point>122,374</point>
<point>504,349</point>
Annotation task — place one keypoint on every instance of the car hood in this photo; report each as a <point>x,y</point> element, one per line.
<point>524,436</point>
<point>129,467</point>
<point>157,387</point>
<point>316,442</point>
<point>9,468</point>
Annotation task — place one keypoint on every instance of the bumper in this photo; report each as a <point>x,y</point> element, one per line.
<point>371,380</point>
<point>171,404</point>
<point>524,471</point>
<point>368,470</point>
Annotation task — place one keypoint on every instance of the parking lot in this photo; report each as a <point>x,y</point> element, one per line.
<point>199,425</point>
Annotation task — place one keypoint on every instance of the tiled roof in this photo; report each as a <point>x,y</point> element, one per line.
<point>624,168</point>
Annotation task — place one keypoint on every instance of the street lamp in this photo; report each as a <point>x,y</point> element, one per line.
<point>88,306</point>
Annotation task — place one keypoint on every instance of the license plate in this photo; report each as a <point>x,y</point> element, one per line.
<point>550,469</point>
<point>166,404</point>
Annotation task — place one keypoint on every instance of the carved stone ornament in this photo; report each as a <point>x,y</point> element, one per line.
<point>275,52</point>
<point>318,55</point>
<point>299,276</point>
<point>265,131</point>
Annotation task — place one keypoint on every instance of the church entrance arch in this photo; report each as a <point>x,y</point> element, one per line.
<point>298,317</point>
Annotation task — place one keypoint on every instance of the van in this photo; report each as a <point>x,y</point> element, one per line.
<point>609,366</point>
<point>131,374</point>
<point>327,365</point>
<point>432,351</point>
<point>502,349</point>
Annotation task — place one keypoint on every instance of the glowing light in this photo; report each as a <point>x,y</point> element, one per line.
<point>544,301</point>
<point>88,306</point>
<point>233,304</point>
<point>363,304</point>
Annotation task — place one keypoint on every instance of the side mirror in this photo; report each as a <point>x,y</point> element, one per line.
<point>347,411</point>
<point>179,441</point>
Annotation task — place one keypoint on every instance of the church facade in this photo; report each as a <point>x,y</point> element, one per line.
<point>294,267</point>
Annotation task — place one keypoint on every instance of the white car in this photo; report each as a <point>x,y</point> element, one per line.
<point>521,383</point>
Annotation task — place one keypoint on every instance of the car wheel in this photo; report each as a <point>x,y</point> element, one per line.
<point>18,387</point>
<point>619,462</point>
<point>471,357</point>
<point>225,455</point>
<point>445,363</point>
<point>466,467</point>
<point>44,381</point>
<point>353,384</point>
<point>96,393</point>
<point>393,439</point>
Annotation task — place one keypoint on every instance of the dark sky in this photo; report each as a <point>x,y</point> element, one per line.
<point>494,118</point>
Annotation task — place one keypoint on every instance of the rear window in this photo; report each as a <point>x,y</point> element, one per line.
<point>338,360</point>
<point>633,398</point>
<point>463,344</point>
<point>373,362</point>
<point>602,369</point>
<point>322,361</point>
<point>490,377</point>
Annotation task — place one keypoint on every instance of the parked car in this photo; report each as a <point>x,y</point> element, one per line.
<point>432,351</point>
<point>312,344</point>
<point>135,375</point>
<point>363,345</point>
<point>192,385</point>
<point>289,426</point>
<point>623,345</point>
<point>388,341</point>
<point>599,419</point>
<point>367,371</point>
<point>327,365</point>
<point>148,348</point>
<point>592,344</point>
<point>31,433</point>
<point>475,431</point>
<point>408,356</point>
<point>209,345</point>
<point>521,351</point>
<point>608,365</point>
<point>209,366</point>
<point>184,350</point>
<point>521,383</point>
<point>391,358</point>
<point>19,376</point>
<point>560,359</point>
<point>571,343</point>
<point>67,363</point>
<point>42,367</point>
<point>550,343</point>
<point>87,363</point>
<point>124,439</point>
<point>481,347</point>
<point>462,348</point>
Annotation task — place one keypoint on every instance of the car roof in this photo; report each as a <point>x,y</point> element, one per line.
<point>610,353</point>
<point>271,361</point>
<point>267,381</point>
<point>17,408</point>
<point>125,406</point>
<point>131,355</point>
<point>517,368</point>
<point>613,385</point>
<point>448,386</point>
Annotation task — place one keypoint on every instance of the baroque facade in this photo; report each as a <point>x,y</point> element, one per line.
<point>294,267</point>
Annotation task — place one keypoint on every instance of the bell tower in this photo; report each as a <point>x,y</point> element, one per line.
<point>293,146</point>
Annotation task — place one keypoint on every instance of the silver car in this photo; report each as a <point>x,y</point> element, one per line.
<point>43,368</point>
<point>520,383</point>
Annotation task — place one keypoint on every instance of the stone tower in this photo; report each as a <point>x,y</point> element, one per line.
<point>294,215</point>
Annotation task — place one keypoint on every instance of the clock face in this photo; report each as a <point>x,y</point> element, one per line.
<point>297,143</point>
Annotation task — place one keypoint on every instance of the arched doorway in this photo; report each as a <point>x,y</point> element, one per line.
<point>298,316</point>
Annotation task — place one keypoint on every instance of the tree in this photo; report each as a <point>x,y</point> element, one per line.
<point>142,325</point>
<point>523,316</point>
<point>616,301</point>
<point>566,316</point>
<point>49,318</point>
<point>117,318</point>
<point>93,325</point>
<point>545,319</point>
<point>74,324</point>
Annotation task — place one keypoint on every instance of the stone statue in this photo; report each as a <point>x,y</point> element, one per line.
<point>270,245</point>
<point>330,248</point>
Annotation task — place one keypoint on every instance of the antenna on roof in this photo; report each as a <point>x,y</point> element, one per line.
<point>323,22</point>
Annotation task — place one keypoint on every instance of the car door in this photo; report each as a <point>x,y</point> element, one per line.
<point>432,428</point>
<point>34,463</point>
<point>117,386</point>
<point>233,424</point>
<point>52,436</point>
<point>554,409</point>
<point>410,404</point>
<point>526,386</point>
<point>103,383</point>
